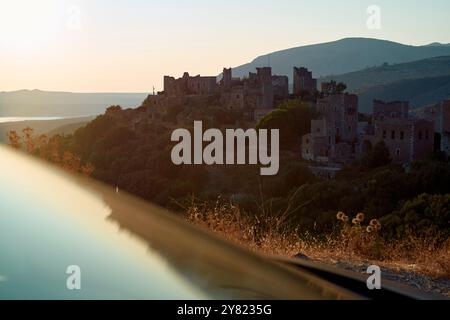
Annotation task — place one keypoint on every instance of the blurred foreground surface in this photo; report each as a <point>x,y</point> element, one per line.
<point>124,248</point>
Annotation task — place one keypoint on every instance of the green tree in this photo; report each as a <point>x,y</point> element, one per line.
<point>293,119</point>
<point>335,88</point>
<point>420,216</point>
<point>378,156</point>
<point>113,109</point>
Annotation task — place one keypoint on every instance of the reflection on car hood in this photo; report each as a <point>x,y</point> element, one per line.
<point>124,247</point>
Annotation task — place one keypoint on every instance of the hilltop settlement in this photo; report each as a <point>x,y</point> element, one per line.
<point>391,164</point>
<point>339,135</point>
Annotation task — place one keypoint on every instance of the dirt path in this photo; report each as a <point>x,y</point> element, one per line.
<point>400,274</point>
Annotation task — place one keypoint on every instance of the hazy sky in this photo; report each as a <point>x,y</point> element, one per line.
<point>128,45</point>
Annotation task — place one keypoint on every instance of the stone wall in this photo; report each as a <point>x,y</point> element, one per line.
<point>439,114</point>
<point>395,109</point>
<point>303,81</point>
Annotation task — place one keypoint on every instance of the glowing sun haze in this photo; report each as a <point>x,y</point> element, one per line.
<point>128,45</point>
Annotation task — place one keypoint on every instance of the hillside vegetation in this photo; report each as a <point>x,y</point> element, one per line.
<point>385,74</point>
<point>373,210</point>
<point>419,92</point>
<point>135,156</point>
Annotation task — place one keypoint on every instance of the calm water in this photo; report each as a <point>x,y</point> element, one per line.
<point>18,119</point>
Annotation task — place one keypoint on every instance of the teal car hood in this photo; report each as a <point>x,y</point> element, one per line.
<point>122,247</point>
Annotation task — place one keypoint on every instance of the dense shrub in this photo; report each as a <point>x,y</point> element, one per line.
<point>293,119</point>
<point>420,216</point>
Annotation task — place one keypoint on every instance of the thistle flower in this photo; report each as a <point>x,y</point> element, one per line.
<point>370,229</point>
<point>374,223</point>
<point>355,221</point>
<point>360,217</point>
<point>340,216</point>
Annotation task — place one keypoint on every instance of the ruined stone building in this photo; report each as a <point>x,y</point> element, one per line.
<point>228,80</point>
<point>188,85</point>
<point>259,89</point>
<point>334,136</point>
<point>337,137</point>
<point>303,81</point>
<point>408,138</point>
<point>280,87</point>
<point>439,114</point>
<point>256,95</point>
<point>395,109</point>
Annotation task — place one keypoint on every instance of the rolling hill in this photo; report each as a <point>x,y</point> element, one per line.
<point>418,92</point>
<point>378,76</point>
<point>342,56</point>
<point>421,82</point>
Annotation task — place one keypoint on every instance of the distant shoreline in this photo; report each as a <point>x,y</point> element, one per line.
<point>25,119</point>
<point>42,125</point>
<point>41,105</point>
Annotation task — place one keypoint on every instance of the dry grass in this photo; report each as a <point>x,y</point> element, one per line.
<point>354,243</point>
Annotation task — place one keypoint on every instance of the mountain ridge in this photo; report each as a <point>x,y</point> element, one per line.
<point>357,81</point>
<point>341,56</point>
<point>419,92</point>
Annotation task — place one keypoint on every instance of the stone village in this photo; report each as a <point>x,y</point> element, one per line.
<point>337,136</point>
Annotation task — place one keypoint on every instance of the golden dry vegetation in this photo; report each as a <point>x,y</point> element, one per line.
<point>353,241</point>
